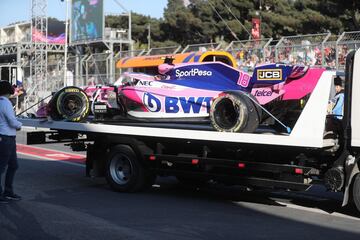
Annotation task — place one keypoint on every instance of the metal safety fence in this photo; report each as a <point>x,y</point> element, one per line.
<point>248,53</point>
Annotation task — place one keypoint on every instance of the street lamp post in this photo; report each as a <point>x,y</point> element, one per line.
<point>66,41</point>
<point>260,17</point>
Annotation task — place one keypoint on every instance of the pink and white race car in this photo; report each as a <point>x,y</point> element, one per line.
<point>230,99</point>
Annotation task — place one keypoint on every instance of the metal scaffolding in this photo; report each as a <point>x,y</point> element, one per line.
<point>38,63</point>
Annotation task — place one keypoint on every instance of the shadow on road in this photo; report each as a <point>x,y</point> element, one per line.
<point>17,222</point>
<point>173,211</point>
<point>168,211</point>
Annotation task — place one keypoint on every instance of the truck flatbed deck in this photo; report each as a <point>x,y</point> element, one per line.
<point>174,131</point>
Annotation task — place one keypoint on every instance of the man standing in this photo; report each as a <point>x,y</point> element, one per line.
<point>8,127</point>
<point>338,100</point>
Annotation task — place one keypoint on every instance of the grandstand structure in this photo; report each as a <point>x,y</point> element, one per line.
<point>17,51</point>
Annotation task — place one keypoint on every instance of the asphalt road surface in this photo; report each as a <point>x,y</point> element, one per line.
<point>59,202</point>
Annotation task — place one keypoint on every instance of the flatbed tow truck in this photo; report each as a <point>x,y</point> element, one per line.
<point>131,155</point>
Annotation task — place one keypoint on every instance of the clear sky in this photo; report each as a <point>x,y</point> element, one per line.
<point>20,10</point>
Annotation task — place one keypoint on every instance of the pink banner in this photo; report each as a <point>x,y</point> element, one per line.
<point>39,37</point>
<point>255,31</point>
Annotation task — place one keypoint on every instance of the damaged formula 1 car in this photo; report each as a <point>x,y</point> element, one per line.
<point>229,99</point>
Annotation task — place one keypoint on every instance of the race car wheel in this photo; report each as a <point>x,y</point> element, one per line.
<point>71,103</point>
<point>356,191</point>
<point>124,171</point>
<point>234,112</point>
<point>51,108</point>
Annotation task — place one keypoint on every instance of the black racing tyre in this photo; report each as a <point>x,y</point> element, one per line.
<point>356,191</point>
<point>235,112</point>
<point>52,110</point>
<point>124,171</point>
<point>70,103</point>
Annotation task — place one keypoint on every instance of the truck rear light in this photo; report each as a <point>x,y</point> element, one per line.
<point>194,161</point>
<point>152,158</point>
<point>299,171</point>
<point>241,165</point>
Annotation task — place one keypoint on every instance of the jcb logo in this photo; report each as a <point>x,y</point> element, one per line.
<point>269,74</point>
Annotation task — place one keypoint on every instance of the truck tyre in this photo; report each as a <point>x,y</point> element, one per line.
<point>71,104</point>
<point>124,171</point>
<point>235,112</point>
<point>356,191</point>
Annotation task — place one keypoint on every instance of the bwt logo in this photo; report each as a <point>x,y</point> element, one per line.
<point>269,74</point>
<point>192,73</point>
<point>177,104</point>
<point>152,103</point>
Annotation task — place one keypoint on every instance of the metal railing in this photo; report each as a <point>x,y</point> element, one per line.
<point>202,47</point>
<point>250,52</point>
<point>163,50</point>
<point>303,49</point>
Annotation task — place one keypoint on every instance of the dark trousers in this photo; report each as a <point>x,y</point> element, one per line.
<point>8,159</point>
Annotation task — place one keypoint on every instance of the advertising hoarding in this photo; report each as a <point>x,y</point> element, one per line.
<point>87,20</point>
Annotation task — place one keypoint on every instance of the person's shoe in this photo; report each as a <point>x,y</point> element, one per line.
<point>12,196</point>
<point>3,200</point>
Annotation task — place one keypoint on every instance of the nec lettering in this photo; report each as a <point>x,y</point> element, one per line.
<point>172,104</point>
<point>144,83</point>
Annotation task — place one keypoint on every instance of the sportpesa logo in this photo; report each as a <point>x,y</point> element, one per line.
<point>192,73</point>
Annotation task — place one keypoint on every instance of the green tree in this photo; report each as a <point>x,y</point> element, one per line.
<point>180,24</point>
<point>209,20</point>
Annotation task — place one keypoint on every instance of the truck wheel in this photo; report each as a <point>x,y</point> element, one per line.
<point>356,191</point>
<point>124,171</point>
<point>70,103</point>
<point>234,112</point>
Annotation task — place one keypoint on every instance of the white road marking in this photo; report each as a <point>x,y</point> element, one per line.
<point>316,210</point>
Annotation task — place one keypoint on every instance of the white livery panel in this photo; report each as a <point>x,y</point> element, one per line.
<point>355,106</point>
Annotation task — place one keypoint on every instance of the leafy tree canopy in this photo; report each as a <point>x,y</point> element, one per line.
<point>209,20</point>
